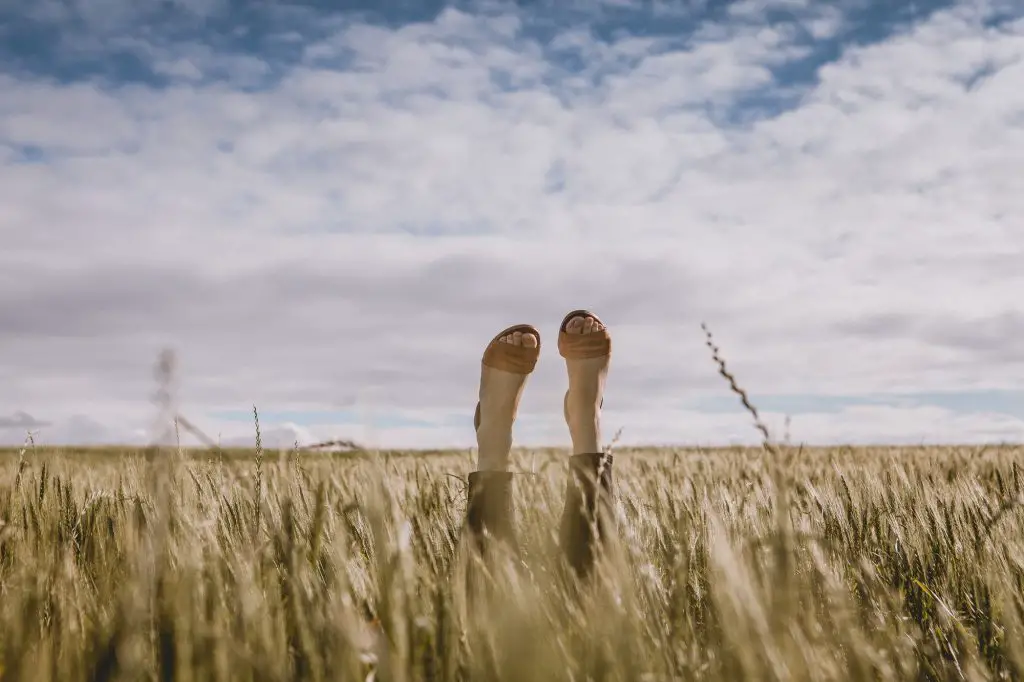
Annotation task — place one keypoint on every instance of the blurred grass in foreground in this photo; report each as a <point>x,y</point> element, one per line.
<point>871,564</point>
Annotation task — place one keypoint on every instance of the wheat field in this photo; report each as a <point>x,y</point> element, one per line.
<point>730,564</point>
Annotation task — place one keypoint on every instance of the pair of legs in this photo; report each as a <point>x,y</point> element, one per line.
<point>585,344</point>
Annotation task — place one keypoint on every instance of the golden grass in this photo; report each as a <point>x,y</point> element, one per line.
<point>877,564</point>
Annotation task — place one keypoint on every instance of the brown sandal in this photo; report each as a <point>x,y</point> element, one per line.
<point>509,358</point>
<point>490,492</point>
<point>582,346</point>
<point>587,515</point>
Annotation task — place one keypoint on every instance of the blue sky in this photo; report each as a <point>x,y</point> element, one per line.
<point>327,209</point>
<point>58,40</point>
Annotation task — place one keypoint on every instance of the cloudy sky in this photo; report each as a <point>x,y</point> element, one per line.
<point>328,214</point>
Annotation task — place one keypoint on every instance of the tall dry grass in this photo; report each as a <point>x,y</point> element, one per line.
<point>893,564</point>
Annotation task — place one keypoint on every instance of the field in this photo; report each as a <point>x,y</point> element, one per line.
<point>732,564</point>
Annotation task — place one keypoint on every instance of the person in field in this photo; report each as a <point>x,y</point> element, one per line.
<point>508,360</point>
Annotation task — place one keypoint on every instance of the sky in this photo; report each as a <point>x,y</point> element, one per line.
<point>327,209</point>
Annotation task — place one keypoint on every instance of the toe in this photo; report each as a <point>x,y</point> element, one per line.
<point>588,326</point>
<point>502,354</point>
<point>575,326</point>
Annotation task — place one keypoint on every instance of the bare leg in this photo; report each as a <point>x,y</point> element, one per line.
<point>585,396</point>
<point>508,360</point>
<point>587,520</point>
<point>500,391</point>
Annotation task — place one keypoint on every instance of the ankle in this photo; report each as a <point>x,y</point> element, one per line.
<point>494,443</point>
<point>492,459</point>
<point>585,432</point>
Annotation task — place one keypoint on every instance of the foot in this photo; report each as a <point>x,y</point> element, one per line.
<point>586,347</point>
<point>507,363</point>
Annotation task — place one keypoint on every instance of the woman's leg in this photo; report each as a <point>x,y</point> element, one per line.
<point>585,343</point>
<point>586,346</point>
<point>506,365</point>
<point>507,362</point>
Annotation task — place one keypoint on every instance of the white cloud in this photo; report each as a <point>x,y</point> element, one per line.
<point>356,231</point>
